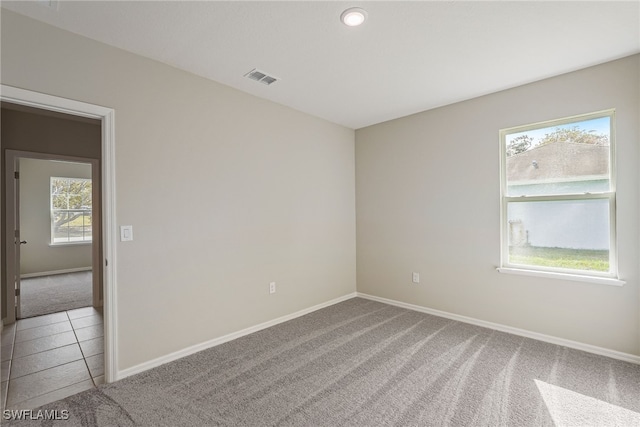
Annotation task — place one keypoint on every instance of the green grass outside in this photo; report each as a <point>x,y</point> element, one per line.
<point>79,223</point>
<point>575,259</point>
<point>74,228</point>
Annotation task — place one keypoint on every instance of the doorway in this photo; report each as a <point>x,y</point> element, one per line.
<point>105,169</point>
<point>52,207</point>
<point>59,234</point>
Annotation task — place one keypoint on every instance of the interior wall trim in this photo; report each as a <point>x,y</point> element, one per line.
<point>54,272</point>
<point>626,357</point>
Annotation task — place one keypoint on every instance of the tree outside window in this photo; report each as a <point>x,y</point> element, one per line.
<point>71,218</point>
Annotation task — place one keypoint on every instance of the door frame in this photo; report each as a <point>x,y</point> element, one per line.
<point>107,117</point>
<point>11,159</point>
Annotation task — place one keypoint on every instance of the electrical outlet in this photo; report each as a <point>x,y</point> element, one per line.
<point>272,287</point>
<point>416,278</point>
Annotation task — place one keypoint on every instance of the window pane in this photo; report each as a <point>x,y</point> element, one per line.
<point>572,158</point>
<point>562,234</point>
<point>59,201</point>
<point>60,227</point>
<point>86,226</point>
<point>71,209</point>
<point>71,226</point>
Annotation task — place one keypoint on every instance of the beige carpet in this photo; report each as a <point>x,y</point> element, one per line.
<point>52,294</point>
<point>362,363</point>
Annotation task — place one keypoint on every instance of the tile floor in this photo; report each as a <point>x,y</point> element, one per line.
<point>50,357</point>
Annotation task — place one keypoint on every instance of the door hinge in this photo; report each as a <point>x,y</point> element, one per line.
<point>17,292</point>
<point>16,175</point>
<point>106,263</point>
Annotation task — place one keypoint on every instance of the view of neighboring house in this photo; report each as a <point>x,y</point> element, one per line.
<point>559,168</point>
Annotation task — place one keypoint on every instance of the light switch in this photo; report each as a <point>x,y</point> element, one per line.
<point>126,233</point>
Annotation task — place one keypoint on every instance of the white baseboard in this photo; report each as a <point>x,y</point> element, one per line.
<point>51,273</point>
<point>511,330</point>
<point>223,339</point>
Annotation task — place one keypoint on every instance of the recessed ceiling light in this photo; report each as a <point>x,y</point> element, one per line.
<point>353,16</point>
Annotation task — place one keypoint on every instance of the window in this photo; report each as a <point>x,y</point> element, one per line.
<point>70,210</point>
<point>558,196</point>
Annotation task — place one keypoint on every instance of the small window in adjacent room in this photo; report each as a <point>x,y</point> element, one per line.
<point>558,196</point>
<point>70,210</point>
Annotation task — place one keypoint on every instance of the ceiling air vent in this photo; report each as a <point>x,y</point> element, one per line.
<point>261,77</point>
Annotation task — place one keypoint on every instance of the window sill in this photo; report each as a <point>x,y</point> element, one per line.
<point>58,245</point>
<point>563,276</point>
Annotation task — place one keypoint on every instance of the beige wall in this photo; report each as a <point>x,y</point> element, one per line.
<point>428,200</point>
<point>38,256</point>
<point>226,192</point>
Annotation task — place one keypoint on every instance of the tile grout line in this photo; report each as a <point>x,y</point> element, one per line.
<point>77,341</point>
<point>44,394</point>
<point>55,366</point>
<point>57,333</point>
<point>84,358</point>
<point>69,319</point>
<point>61,332</point>
<point>42,351</point>
<point>81,352</point>
<point>37,317</point>
<point>13,349</point>
<point>42,370</point>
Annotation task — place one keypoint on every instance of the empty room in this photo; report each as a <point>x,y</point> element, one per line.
<point>321,213</point>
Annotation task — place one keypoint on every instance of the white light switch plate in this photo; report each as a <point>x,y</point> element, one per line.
<point>126,233</point>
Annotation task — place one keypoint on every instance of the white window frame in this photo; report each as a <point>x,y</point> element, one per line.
<point>610,277</point>
<point>52,242</point>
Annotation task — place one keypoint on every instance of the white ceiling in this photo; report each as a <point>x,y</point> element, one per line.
<point>407,57</point>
